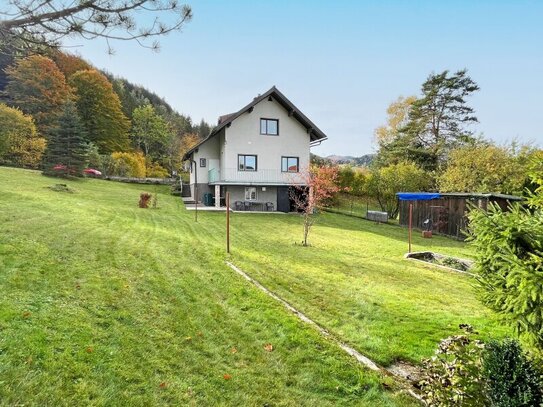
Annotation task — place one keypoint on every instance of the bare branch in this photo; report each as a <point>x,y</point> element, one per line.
<point>48,21</point>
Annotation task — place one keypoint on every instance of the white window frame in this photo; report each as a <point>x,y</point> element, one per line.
<point>248,193</point>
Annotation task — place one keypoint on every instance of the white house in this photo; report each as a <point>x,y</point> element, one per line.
<point>256,154</point>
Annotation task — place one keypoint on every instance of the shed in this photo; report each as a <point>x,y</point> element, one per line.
<point>447,211</point>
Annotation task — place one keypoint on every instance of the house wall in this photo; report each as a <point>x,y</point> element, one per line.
<point>237,193</point>
<point>210,150</point>
<point>243,137</point>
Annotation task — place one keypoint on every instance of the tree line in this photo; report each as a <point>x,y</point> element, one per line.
<point>60,114</point>
<point>429,144</point>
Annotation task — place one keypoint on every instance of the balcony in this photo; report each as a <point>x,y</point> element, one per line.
<point>259,177</point>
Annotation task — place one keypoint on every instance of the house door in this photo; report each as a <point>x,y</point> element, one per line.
<point>283,199</point>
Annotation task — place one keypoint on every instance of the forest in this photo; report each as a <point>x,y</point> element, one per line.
<point>60,114</point>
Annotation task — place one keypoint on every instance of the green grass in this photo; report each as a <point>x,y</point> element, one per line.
<point>103,302</point>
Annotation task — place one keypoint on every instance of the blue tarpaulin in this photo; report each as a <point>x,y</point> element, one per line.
<point>417,196</point>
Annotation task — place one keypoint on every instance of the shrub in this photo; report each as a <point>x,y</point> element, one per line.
<point>511,378</point>
<point>127,164</point>
<point>144,200</point>
<point>155,170</point>
<point>453,376</point>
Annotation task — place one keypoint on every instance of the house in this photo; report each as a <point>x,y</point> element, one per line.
<point>256,154</point>
<point>447,212</point>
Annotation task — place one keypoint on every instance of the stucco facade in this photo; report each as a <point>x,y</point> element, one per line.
<point>215,161</point>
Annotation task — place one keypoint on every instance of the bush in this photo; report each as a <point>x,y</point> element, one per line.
<point>144,200</point>
<point>155,170</point>
<point>467,372</point>
<point>453,376</point>
<point>127,165</point>
<point>511,378</point>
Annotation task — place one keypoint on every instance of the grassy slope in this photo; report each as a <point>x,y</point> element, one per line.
<point>355,281</point>
<point>105,303</point>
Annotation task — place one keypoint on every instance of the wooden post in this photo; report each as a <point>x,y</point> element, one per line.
<point>196,203</point>
<point>227,222</point>
<point>410,223</point>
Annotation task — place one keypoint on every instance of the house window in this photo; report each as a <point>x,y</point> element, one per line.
<point>202,162</point>
<point>246,162</point>
<point>250,193</point>
<point>290,164</point>
<point>269,127</point>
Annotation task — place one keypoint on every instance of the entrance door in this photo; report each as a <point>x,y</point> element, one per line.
<point>283,199</point>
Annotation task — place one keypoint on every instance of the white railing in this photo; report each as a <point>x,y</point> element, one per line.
<point>264,176</point>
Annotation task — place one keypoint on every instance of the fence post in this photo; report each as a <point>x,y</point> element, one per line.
<point>227,222</point>
<point>410,223</point>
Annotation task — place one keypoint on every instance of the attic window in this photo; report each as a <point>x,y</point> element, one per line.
<point>269,127</point>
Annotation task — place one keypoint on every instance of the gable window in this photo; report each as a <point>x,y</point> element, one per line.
<point>250,193</point>
<point>247,162</point>
<point>269,127</point>
<point>202,162</point>
<point>290,164</point>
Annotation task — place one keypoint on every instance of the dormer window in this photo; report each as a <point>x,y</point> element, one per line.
<point>269,127</point>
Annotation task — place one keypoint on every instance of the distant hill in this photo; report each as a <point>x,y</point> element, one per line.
<point>362,161</point>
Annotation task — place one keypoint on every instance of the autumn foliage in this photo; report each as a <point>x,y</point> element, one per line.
<point>20,144</point>
<point>38,88</point>
<point>314,188</point>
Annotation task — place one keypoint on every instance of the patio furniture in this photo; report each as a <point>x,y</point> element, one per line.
<point>246,206</point>
<point>269,206</point>
<point>238,206</point>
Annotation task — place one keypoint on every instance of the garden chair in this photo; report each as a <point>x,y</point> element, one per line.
<point>269,206</point>
<point>246,206</point>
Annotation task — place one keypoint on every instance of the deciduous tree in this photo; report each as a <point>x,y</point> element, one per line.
<point>20,144</point>
<point>38,88</point>
<point>150,132</point>
<point>100,111</point>
<point>310,192</point>
<point>485,167</point>
<point>386,182</point>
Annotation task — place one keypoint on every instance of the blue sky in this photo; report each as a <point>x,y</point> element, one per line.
<point>343,62</point>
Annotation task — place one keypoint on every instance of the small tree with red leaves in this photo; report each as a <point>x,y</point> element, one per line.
<point>311,191</point>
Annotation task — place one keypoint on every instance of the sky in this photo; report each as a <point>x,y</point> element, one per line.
<point>343,62</point>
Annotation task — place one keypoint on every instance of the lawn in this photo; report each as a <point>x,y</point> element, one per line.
<point>106,303</point>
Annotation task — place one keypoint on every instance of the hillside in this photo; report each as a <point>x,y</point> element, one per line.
<point>362,161</point>
<point>104,303</point>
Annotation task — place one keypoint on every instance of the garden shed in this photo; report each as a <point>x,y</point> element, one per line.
<point>447,212</point>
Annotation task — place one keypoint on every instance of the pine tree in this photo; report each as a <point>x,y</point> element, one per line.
<point>66,151</point>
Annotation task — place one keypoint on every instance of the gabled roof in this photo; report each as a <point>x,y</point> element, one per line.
<point>315,133</point>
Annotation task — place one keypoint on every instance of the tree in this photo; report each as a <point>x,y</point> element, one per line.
<point>386,182</point>
<point>66,152</point>
<point>438,121</point>
<point>100,111</point>
<point>509,252</point>
<point>49,21</point>
<point>38,88</point>
<point>20,144</point>
<point>150,132</point>
<point>386,136</point>
<point>69,63</point>
<point>485,168</point>
<point>177,147</point>
<point>317,186</point>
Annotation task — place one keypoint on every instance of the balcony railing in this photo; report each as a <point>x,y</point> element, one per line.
<point>261,176</point>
